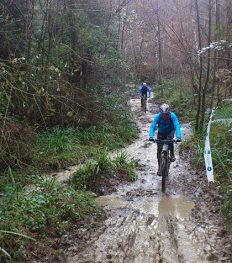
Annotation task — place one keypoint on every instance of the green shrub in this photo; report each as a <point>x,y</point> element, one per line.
<point>103,161</point>
<point>59,147</point>
<point>122,164</point>
<point>57,140</point>
<point>90,173</point>
<point>221,144</point>
<point>47,209</point>
<point>93,170</point>
<point>16,146</point>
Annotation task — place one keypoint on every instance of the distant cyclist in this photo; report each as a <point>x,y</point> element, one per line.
<point>167,124</point>
<point>143,90</point>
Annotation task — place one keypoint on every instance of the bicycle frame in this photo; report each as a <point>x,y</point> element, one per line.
<point>165,160</point>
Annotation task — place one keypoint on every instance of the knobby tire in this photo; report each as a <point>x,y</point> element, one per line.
<point>144,106</point>
<point>164,172</point>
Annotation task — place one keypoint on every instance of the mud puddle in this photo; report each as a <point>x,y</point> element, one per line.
<point>144,225</point>
<point>175,206</point>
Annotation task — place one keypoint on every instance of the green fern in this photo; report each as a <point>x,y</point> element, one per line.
<point>224,122</point>
<point>223,113</point>
<point>223,117</point>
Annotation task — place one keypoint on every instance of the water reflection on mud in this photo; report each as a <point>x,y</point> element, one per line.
<point>176,206</point>
<point>111,202</point>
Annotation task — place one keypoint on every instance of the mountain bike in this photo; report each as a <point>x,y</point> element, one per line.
<point>144,103</point>
<point>165,159</point>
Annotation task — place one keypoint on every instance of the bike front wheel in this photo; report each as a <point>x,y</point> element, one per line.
<point>144,105</point>
<point>164,172</point>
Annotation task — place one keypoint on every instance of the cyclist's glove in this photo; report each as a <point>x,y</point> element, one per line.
<point>151,140</point>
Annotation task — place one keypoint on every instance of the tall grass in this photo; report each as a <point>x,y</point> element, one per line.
<point>57,140</point>
<point>122,164</point>
<point>221,139</point>
<point>221,145</point>
<point>58,148</point>
<point>90,174</point>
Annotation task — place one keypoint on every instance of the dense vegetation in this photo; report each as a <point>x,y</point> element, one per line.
<point>63,70</point>
<point>47,208</point>
<point>220,140</point>
<point>60,74</point>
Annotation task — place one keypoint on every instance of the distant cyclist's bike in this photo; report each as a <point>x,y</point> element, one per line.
<point>165,159</point>
<point>144,103</point>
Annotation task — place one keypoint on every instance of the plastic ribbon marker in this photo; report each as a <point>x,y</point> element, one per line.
<point>207,152</point>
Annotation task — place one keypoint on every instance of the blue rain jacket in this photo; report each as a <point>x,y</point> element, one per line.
<point>140,90</point>
<point>165,126</point>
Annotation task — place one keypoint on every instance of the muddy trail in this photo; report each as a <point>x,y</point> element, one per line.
<point>144,225</point>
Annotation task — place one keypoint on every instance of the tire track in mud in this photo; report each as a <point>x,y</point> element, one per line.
<point>145,226</point>
<point>173,237</point>
<point>125,240</point>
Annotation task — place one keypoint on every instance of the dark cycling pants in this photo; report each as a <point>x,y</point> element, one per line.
<point>162,136</point>
<point>144,97</point>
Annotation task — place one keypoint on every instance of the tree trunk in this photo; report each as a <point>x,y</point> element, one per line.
<point>215,64</point>
<point>205,89</point>
<point>159,50</point>
<point>29,28</point>
<point>200,68</point>
<point>228,28</point>
<point>74,76</point>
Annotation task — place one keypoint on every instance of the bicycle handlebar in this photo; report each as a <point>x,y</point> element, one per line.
<point>166,141</point>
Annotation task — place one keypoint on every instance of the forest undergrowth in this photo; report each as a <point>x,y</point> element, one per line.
<point>35,208</point>
<point>220,141</point>
<point>64,70</point>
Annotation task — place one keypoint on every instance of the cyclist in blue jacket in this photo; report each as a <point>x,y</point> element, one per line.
<point>167,124</point>
<point>143,90</point>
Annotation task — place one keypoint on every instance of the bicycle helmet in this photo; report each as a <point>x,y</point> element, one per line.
<point>164,108</point>
<point>144,84</point>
